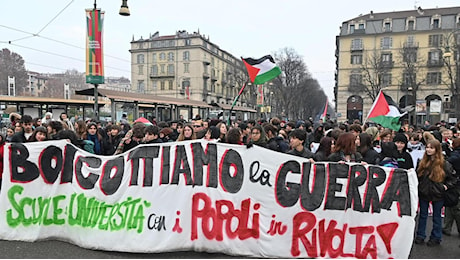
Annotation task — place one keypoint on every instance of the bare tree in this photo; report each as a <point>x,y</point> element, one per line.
<point>296,92</point>
<point>286,87</point>
<point>413,76</point>
<point>452,62</point>
<point>12,65</point>
<point>375,74</point>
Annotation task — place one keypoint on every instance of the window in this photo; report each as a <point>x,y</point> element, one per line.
<point>356,44</point>
<point>433,78</point>
<point>162,56</point>
<point>356,59</point>
<point>162,85</point>
<point>387,27</point>
<point>154,57</point>
<point>411,25</point>
<point>435,23</point>
<point>170,69</point>
<point>410,41</point>
<point>356,80</point>
<point>386,57</point>
<point>170,56</point>
<point>187,42</point>
<point>186,55</point>
<point>186,67</point>
<point>352,28</point>
<point>386,43</point>
<point>140,86</point>
<point>140,69</point>
<point>410,56</point>
<point>170,84</point>
<point>162,68</point>
<point>213,88</point>
<point>434,58</point>
<point>154,70</point>
<point>386,79</point>
<point>361,26</point>
<point>155,84</point>
<point>435,40</point>
<point>140,58</point>
<point>409,78</point>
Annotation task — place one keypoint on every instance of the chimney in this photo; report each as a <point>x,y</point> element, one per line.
<point>372,14</point>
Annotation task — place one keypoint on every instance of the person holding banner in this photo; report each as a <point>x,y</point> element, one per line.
<point>435,176</point>
<point>345,149</point>
<point>258,136</point>
<point>297,139</point>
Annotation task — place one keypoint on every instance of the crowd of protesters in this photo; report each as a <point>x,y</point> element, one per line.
<point>320,141</point>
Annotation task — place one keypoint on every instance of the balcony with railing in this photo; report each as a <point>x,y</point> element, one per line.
<point>387,64</point>
<point>435,63</point>
<point>410,45</point>
<point>161,75</point>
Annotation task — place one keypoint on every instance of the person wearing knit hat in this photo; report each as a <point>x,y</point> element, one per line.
<point>404,158</point>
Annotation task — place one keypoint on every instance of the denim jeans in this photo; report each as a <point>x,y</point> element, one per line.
<point>436,232</point>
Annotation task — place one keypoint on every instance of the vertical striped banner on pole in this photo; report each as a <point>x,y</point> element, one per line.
<point>94,54</point>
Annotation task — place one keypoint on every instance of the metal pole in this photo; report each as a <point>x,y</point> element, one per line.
<point>96,104</point>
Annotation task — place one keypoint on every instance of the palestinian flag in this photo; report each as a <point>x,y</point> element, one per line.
<point>324,115</point>
<point>385,112</point>
<point>143,120</point>
<point>261,70</point>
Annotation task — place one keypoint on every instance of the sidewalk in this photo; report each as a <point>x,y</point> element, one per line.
<point>449,247</point>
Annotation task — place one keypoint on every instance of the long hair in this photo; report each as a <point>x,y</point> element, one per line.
<point>325,145</point>
<point>221,135</point>
<point>40,129</point>
<point>182,136</point>
<point>434,164</point>
<point>80,129</point>
<point>346,143</point>
<point>365,142</point>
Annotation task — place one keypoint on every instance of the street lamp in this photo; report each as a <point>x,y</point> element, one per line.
<point>271,108</point>
<point>124,11</point>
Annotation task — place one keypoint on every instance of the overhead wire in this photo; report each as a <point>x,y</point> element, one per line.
<point>31,35</point>
<point>71,1</point>
<point>62,56</point>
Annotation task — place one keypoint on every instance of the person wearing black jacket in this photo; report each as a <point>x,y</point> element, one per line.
<point>453,213</point>
<point>26,123</point>
<point>297,139</point>
<point>345,149</point>
<point>152,135</point>
<point>324,150</point>
<point>275,142</point>
<point>435,176</point>
<point>403,157</point>
<point>365,148</point>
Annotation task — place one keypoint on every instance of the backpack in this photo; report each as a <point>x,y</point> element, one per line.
<point>88,146</point>
<point>389,162</point>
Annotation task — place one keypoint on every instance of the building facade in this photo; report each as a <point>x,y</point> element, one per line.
<point>189,66</point>
<point>411,55</point>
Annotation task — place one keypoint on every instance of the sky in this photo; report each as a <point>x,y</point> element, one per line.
<point>50,34</point>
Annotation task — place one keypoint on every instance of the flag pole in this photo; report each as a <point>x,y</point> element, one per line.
<point>234,101</point>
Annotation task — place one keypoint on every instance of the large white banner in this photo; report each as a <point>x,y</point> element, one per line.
<point>206,196</point>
